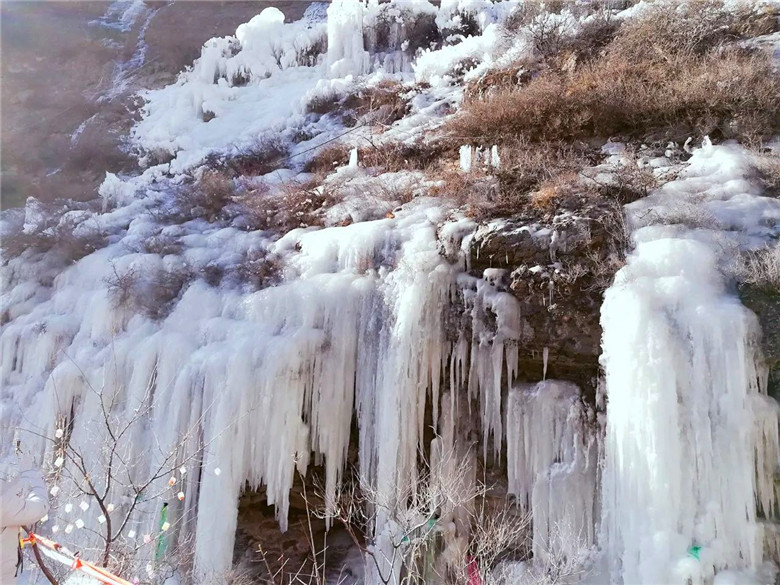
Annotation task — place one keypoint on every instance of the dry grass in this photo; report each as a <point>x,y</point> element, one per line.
<point>549,193</point>
<point>207,199</point>
<point>733,92</point>
<point>692,28</point>
<point>760,268</point>
<point>152,294</point>
<point>627,181</point>
<point>380,104</point>
<point>538,178</point>
<point>297,204</point>
<point>398,156</point>
<point>767,168</point>
<point>263,156</point>
<point>327,158</point>
<point>669,73</point>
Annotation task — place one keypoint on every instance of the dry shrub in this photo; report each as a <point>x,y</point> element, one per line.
<point>692,28</point>
<point>382,103</point>
<point>536,178</point>
<point>767,168</point>
<point>734,92</point>
<point>263,156</point>
<point>259,270</point>
<point>627,182</point>
<point>760,268</point>
<point>152,293</point>
<point>400,156</point>
<point>295,205</point>
<point>476,191</point>
<point>207,199</point>
<point>162,245</point>
<point>550,193</point>
<point>526,166</point>
<point>591,37</point>
<point>323,103</point>
<point>669,71</point>
<point>326,158</point>
<point>515,75</point>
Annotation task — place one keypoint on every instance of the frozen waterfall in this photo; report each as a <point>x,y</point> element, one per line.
<point>691,441</point>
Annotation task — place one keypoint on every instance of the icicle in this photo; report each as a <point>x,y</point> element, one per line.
<point>552,465</point>
<point>353,159</point>
<point>495,160</point>
<point>466,152</point>
<point>545,355</point>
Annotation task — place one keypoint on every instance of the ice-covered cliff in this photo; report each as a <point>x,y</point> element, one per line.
<point>192,354</point>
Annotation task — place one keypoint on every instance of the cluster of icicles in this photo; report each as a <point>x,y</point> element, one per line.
<point>364,323</point>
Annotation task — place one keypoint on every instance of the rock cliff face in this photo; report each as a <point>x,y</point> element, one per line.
<point>557,269</point>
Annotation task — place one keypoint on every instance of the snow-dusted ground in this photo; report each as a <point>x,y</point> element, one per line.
<point>357,324</point>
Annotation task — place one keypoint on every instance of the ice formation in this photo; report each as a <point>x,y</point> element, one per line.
<point>691,440</point>
<point>379,322</point>
<point>267,378</point>
<point>552,461</point>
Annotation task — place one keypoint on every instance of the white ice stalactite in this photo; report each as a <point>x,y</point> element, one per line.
<point>466,154</point>
<point>495,159</point>
<point>691,441</point>
<point>346,53</point>
<point>552,461</point>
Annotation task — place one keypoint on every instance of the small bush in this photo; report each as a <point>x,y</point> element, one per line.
<point>767,168</point>
<point>206,199</point>
<point>627,182</point>
<point>151,294</point>
<point>295,205</point>
<point>259,270</point>
<point>400,156</point>
<point>592,37</point>
<point>382,103</point>
<point>526,167</point>
<point>263,156</point>
<point>326,158</point>
<point>760,268</point>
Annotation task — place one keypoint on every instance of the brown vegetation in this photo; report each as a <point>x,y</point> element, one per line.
<point>399,156</point>
<point>733,93</point>
<point>266,154</point>
<point>151,294</point>
<point>380,104</point>
<point>652,78</point>
<point>57,232</point>
<point>296,205</point>
<point>326,158</point>
<point>767,169</point>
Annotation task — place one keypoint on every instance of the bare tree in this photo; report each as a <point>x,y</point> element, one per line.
<point>126,485</point>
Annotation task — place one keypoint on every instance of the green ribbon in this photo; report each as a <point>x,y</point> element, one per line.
<point>161,544</point>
